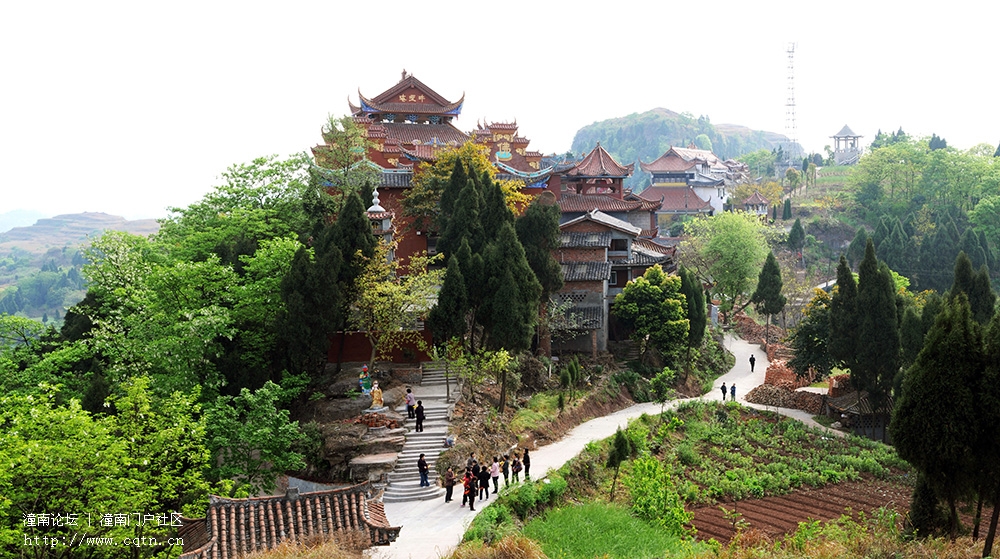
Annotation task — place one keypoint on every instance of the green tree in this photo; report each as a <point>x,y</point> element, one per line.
<point>792,178</point>
<point>653,308</point>
<point>797,236</point>
<point>767,298</point>
<point>932,422</point>
<point>726,251</point>
<point>844,319</point>
<point>878,356</point>
<point>786,212</point>
<point>811,338</point>
<point>986,217</point>
<point>250,438</point>
<point>856,250</point>
<point>510,307</point>
<point>911,337</point>
<point>987,449</point>
<point>982,298</point>
<point>447,319</point>
<point>387,305</point>
<point>622,448</point>
<point>697,312</point>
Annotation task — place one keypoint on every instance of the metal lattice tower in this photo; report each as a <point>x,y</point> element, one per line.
<point>790,103</point>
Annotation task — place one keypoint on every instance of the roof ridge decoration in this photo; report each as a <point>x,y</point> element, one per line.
<point>393,100</point>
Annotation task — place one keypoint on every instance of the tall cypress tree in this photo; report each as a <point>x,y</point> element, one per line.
<point>697,312</point>
<point>352,235</point>
<point>982,299</point>
<point>856,250</point>
<point>987,450</point>
<point>494,212</point>
<point>767,298</point>
<point>796,236</point>
<point>538,232</point>
<point>878,355</point>
<point>969,244</point>
<point>452,190</point>
<point>963,276</point>
<point>786,213</point>
<point>984,244</point>
<point>447,319</point>
<point>465,223</point>
<point>882,232</point>
<point>844,317</point>
<point>933,424</point>
<point>510,305</point>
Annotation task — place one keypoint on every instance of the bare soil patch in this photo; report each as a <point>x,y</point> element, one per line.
<point>779,515</point>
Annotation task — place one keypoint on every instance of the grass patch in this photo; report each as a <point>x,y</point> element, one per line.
<point>823,420</point>
<point>602,530</point>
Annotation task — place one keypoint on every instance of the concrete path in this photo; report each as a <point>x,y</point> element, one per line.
<point>431,529</point>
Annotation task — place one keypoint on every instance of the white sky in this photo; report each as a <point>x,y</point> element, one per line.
<point>131,107</point>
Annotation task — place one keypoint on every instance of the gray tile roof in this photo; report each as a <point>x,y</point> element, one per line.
<point>586,271</point>
<point>582,240</point>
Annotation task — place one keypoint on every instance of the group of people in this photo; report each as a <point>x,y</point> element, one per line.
<point>478,476</point>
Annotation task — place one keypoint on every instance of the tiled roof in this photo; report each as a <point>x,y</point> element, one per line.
<point>237,527</point>
<point>599,163</point>
<point>756,199</point>
<point>654,247</point>
<point>586,271</point>
<point>692,153</point>
<point>650,233</point>
<point>388,100</point>
<point>573,203</point>
<point>583,240</point>
<point>846,132</point>
<point>586,318</point>
<point>668,162</point>
<point>677,199</point>
<point>405,133</point>
<point>396,180</point>
<point>604,219</point>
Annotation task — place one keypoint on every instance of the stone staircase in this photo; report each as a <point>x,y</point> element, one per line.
<point>404,480</point>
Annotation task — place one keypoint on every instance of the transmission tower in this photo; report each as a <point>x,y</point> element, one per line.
<point>790,105</point>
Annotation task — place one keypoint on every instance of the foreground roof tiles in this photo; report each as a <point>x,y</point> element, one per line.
<point>235,528</point>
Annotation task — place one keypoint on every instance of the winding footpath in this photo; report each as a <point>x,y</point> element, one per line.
<point>432,529</point>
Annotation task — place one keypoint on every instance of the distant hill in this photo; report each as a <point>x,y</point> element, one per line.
<point>648,135</point>
<point>18,218</point>
<point>70,229</point>
<point>41,264</point>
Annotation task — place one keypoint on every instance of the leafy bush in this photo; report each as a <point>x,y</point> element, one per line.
<point>522,499</point>
<point>550,489</point>
<point>654,497</point>
<point>493,523</point>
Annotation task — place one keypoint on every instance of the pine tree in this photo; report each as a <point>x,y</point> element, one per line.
<point>882,232</point>
<point>856,250</point>
<point>984,244</point>
<point>774,212</point>
<point>697,312</point>
<point>933,425</point>
<point>768,298</point>
<point>963,277</point>
<point>844,317</point>
<point>911,336</point>
<point>878,356</point>
<point>786,213</point>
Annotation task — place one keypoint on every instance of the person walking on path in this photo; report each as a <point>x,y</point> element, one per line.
<point>505,468</point>
<point>411,403</point>
<point>424,470</point>
<point>449,484</point>
<point>732,392</point>
<point>753,361</point>
<point>470,490</point>
<point>527,465</point>
<point>484,483</point>
<point>723,392</point>
<point>495,474</point>
<point>419,412</point>
<point>516,469</point>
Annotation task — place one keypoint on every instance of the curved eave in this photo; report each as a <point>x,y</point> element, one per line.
<point>543,173</point>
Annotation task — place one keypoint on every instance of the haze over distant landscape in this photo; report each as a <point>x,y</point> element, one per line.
<point>131,108</point>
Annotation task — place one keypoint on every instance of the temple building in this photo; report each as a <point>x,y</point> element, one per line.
<point>691,181</point>
<point>409,124</point>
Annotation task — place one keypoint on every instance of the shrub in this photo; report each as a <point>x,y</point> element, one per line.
<point>654,497</point>
<point>550,489</point>
<point>493,523</point>
<point>522,499</point>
